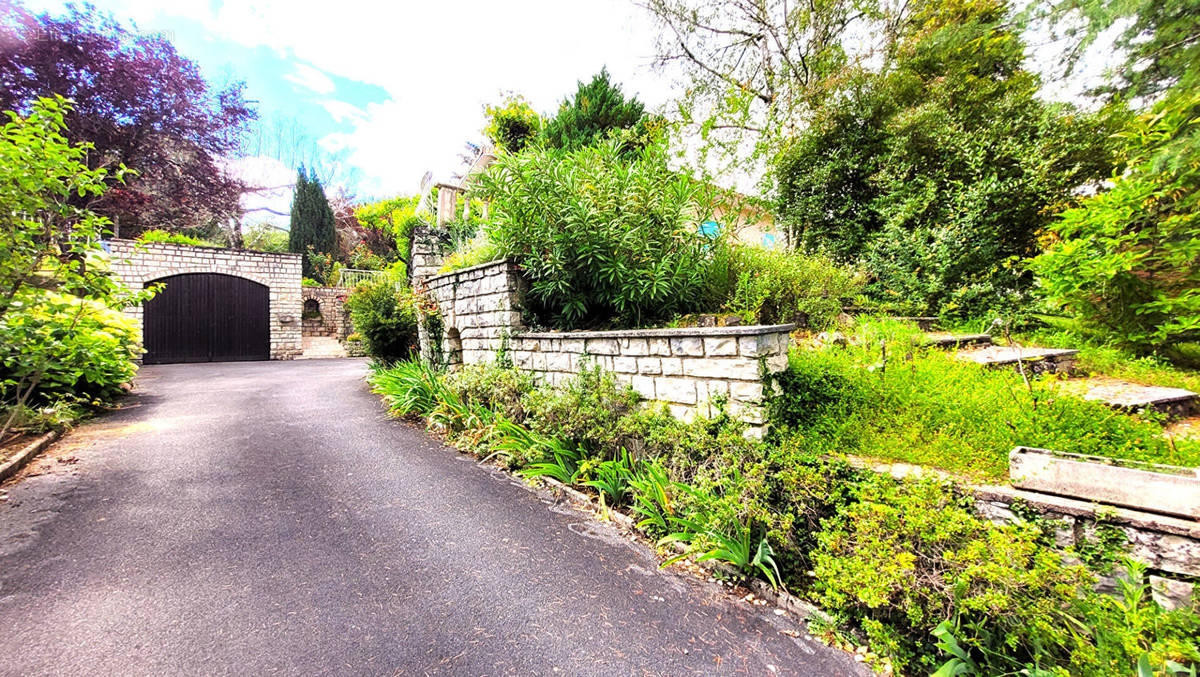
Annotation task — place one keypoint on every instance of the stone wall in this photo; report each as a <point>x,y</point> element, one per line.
<point>427,253</point>
<point>330,302</point>
<point>136,263</point>
<point>1169,546</point>
<point>685,368</point>
<point>479,306</point>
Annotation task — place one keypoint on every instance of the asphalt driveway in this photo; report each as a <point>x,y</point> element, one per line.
<point>267,518</point>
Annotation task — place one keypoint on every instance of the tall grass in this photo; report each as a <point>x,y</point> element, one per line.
<point>925,407</point>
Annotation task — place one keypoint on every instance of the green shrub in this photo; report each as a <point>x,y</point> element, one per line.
<point>493,386</point>
<point>172,238</point>
<point>780,287</point>
<point>409,388</point>
<point>591,409</point>
<point>1124,262</point>
<point>475,252</point>
<point>387,320</point>
<point>908,556</point>
<point>512,124</point>
<point>602,239</point>
<point>65,349</point>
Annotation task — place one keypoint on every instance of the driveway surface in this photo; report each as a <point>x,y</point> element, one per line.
<point>268,518</point>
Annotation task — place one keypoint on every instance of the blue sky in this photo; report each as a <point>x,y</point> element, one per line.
<point>397,89</point>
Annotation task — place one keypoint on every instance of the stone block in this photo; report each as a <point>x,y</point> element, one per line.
<point>676,390</point>
<point>753,346</point>
<point>1167,552</point>
<point>776,363</point>
<point>718,346</point>
<point>1173,593</point>
<point>571,345</point>
<point>746,391</point>
<point>659,346</point>
<point>687,346</point>
<point>649,365</point>
<point>635,346</point>
<point>672,366</point>
<point>625,365</point>
<point>681,412</point>
<point>645,386</point>
<point>603,347</point>
<point>560,362</point>
<point>733,369</point>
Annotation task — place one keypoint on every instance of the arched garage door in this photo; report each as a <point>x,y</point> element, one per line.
<point>207,317</point>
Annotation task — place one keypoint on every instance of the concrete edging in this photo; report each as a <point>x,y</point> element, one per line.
<point>25,455</point>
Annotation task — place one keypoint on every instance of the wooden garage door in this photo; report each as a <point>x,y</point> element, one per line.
<point>207,317</point>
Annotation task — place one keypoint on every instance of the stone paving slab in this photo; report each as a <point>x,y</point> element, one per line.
<point>1128,396</point>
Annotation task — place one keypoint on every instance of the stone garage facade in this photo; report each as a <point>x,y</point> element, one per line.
<point>138,263</point>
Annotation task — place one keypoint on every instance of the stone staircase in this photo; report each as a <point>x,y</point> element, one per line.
<point>322,347</point>
<point>1175,403</point>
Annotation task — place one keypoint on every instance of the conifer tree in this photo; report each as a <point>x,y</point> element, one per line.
<point>596,109</point>
<point>312,229</point>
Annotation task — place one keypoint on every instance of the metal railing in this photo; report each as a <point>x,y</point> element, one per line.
<point>351,277</point>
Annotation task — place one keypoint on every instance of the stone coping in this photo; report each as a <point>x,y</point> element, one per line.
<point>673,332</point>
<point>196,247</point>
<point>468,269</point>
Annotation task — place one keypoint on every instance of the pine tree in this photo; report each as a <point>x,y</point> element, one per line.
<point>312,229</point>
<point>597,108</point>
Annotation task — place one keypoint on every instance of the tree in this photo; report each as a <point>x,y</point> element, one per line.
<point>137,102</point>
<point>512,123</point>
<point>1126,262</point>
<point>756,70</point>
<point>939,171</point>
<point>312,230</point>
<point>57,328</point>
<point>1160,41</point>
<point>598,108</point>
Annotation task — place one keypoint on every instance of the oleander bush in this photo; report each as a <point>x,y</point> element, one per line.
<point>603,239</point>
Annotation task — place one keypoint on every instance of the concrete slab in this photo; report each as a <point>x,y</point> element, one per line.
<point>1035,360</point>
<point>1131,397</point>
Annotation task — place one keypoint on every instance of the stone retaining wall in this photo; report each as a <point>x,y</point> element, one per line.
<point>686,368</point>
<point>331,303</point>
<point>136,263</point>
<point>1169,546</point>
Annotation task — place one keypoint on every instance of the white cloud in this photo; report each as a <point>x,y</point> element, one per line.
<point>438,62</point>
<point>341,111</point>
<point>311,79</point>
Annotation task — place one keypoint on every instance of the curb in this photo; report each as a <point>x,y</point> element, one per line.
<point>23,456</point>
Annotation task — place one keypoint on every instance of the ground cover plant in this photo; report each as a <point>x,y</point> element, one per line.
<point>906,565</point>
<point>923,406</point>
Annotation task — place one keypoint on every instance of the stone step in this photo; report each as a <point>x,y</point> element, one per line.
<point>944,340</point>
<point>321,347</point>
<point>1034,360</point>
<point>1132,397</point>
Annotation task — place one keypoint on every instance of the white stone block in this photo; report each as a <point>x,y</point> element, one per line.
<point>677,390</point>
<point>717,346</point>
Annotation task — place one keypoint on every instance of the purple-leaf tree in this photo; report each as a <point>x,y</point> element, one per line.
<point>139,103</point>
